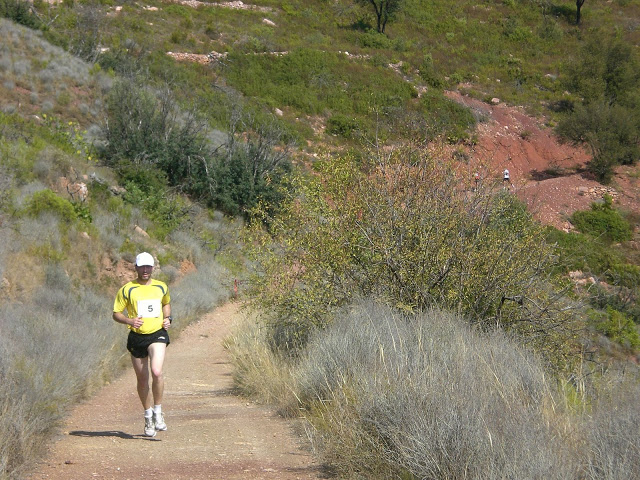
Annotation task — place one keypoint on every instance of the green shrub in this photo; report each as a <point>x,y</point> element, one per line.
<point>577,251</point>
<point>610,131</point>
<point>47,201</point>
<point>401,230</point>
<point>341,125</point>
<point>144,128</point>
<point>373,39</point>
<point>618,327</point>
<point>446,118</point>
<point>20,12</point>
<point>606,76</point>
<point>165,210</point>
<point>603,221</point>
<point>429,74</point>
<point>605,70</point>
<point>625,275</point>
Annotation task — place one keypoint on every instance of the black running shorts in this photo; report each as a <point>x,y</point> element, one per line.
<point>138,343</point>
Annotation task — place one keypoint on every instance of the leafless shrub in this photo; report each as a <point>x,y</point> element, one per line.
<point>109,226</point>
<point>5,64</point>
<point>86,37</point>
<point>22,67</point>
<point>171,273</point>
<point>44,229</point>
<point>9,108</point>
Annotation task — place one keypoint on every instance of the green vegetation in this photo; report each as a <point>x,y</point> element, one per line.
<point>384,11</point>
<point>47,201</point>
<point>405,233</point>
<point>65,242</point>
<point>153,148</point>
<point>603,220</point>
<point>618,327</point>
<point>425,329</point>
<point>605,76</point>
<point>19,12</point>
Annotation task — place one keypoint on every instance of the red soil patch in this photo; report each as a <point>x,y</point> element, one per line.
<point>548,175</point>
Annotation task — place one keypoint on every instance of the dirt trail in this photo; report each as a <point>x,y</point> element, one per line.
<point>212,434</point>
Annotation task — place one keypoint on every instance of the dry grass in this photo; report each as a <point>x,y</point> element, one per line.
<point>613,432</point>
<point>257,372</point>
<point>37,75</point>
<point>390,396</point>
<point>440,400</point>
<point>199,292</point>
<point>54,351</point>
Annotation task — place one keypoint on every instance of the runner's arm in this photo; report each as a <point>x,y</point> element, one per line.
<point>121,318</point>
<point>166,314</point>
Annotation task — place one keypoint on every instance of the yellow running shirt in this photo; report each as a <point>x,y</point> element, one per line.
<point>144,300</point>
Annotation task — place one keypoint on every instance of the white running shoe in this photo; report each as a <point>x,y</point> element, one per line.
<point>159,420</point>
<point>149,427</point>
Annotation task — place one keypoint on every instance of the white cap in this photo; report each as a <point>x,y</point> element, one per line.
<point>144,259</point>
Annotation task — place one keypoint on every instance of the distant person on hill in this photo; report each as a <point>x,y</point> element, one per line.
<point>506,178</point>
<point>147,303</point>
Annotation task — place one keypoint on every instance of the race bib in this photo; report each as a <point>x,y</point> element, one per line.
<point>149,308</point>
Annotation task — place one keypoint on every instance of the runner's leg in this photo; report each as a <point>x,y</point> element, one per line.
<point>156,354</point>
<point>141,367</point>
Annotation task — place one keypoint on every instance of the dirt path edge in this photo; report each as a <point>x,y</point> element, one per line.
<point>212,433</point>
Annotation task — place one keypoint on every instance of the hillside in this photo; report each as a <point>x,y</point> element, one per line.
<point>170,126</point>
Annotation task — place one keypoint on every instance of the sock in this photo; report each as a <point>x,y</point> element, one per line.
<point>157,409</point>
<point>148,413</point>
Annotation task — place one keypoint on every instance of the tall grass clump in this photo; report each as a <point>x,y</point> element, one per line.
<point>612,430</point>
<point>257,372</point>
<point>391,395</point>
<point>395,396</point>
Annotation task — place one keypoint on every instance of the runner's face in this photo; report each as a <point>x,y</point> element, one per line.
<point>144,272</point>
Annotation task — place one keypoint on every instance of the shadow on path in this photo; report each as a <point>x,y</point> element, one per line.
<point>111,433</point>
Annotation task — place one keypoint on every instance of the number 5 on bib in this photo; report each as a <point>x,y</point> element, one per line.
<point>149,308</point>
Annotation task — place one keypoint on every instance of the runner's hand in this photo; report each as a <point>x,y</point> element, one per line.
<point>137,322</point>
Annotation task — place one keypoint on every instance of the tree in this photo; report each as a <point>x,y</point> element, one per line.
<point>610,131</point>
<point>605,76</point>
<point>385,10</point>
<point>404,231</point>
<point>579,4</point>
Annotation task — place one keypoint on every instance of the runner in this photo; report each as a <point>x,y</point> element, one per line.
<point>148,317</point>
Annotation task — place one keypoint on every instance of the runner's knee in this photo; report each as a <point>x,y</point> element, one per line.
<point>156,372</point>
